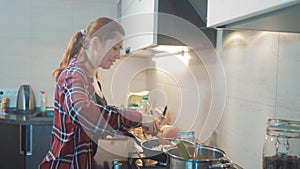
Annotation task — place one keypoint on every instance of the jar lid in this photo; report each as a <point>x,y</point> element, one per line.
<point>284,126</point>
<point>145,99</point>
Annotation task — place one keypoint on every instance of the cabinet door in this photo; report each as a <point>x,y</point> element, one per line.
<point>11,155</point>
<point>125,4</point>
<point>39,146</point>
<point>139,22</point>
<point>222,12</point>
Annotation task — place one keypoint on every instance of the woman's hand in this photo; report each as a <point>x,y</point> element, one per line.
<point>150,125</point>
<point>169,131</point>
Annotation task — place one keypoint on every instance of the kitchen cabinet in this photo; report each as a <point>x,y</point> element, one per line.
<point>23,146</point>
<point>137,18</point>
<point>222,12</point>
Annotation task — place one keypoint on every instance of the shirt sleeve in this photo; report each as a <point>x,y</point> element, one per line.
<point>81,107</point>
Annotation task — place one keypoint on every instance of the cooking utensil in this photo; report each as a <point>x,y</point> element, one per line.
<point>205,157</point>
<point>161,117</point>
<point>165,111</point>
<point>135,138</point>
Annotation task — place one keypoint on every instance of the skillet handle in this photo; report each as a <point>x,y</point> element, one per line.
<point>137,140</point>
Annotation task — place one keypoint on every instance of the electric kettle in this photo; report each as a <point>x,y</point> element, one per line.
<point>25,99</point>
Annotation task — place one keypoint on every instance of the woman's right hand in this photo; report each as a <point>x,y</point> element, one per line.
<point>169,131</point>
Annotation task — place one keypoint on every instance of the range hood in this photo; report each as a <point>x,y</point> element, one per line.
<point>284,19</point>
<point>143,22</point>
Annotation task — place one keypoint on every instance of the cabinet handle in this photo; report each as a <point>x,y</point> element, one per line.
<point>25,140</point>
<point>20,140</point>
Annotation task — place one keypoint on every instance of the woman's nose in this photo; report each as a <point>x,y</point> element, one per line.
<point>118,55</point>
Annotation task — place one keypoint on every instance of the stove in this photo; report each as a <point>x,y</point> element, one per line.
<point>136,161</point>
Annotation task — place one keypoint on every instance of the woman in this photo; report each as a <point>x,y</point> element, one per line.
<point>77,116</point>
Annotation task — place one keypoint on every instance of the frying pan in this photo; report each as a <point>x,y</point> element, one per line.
<point>152,151</point>
<point>147,146</point>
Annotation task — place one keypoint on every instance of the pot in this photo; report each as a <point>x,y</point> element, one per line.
<point>202,157</point>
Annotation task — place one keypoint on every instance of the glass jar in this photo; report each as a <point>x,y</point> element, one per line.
<point>4,102</point>
<point>282,145</point>
<point>186,135</point>
<point>145,106</point>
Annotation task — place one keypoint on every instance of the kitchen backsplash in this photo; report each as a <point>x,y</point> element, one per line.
<point>261,71</point>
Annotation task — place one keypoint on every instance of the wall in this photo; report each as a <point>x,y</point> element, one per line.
<point>33,35</point>
<point>179,81</point>
<point>262,70</point>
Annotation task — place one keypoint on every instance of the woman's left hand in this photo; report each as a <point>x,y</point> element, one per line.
<point>150,125</point>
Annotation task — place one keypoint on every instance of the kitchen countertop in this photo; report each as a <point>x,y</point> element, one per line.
<point>36,118</point>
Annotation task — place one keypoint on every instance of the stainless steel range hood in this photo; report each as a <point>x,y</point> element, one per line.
<point>192,11</point>
<point>285,19</point>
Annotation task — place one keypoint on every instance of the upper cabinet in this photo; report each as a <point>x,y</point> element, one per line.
<point>139,22</point>
<point>269,15</point>
<point>222,12</point>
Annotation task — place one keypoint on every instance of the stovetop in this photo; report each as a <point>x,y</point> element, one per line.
<point>139,160</point>
<point>127,165</point>
<point>144,163</point>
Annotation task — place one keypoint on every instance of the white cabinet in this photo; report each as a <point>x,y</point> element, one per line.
<point>139,22</point>
<point>221,12</point>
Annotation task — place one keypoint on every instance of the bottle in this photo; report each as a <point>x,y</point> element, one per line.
<point>145,106</point>
<point>282,144</point>
<point>43,101</point>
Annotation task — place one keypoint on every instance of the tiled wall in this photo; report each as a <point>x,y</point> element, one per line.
<point>34,33</point>
<point>262,71</point>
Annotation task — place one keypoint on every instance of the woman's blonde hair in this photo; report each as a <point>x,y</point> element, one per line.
<point>80,40</point>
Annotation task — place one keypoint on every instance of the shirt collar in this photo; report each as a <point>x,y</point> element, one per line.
<point>75,62</point>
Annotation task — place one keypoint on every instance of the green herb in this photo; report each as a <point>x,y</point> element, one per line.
<point>182,150</point>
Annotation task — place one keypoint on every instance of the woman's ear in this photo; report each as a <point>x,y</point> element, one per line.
<point>95,43</point>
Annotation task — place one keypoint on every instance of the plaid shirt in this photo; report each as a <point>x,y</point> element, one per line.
<point>77,118</point>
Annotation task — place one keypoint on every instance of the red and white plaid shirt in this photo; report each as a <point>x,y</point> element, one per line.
<point>77,117</point>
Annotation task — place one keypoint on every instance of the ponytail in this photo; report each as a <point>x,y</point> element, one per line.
<point>71,51</point>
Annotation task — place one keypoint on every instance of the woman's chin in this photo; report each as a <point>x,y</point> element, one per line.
<point>106,67</point>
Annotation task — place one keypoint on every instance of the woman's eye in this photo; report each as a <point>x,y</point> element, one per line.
<point>117,48</point>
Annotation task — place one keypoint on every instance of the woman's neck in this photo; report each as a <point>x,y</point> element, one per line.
<point>84,59</point>
<point>97,88</point>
